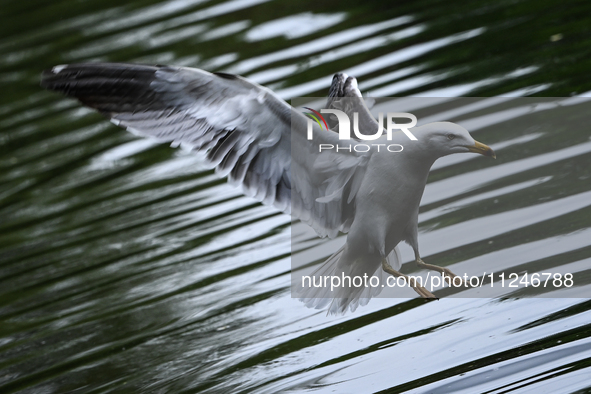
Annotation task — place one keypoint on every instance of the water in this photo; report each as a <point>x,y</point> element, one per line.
<point>126,266</point>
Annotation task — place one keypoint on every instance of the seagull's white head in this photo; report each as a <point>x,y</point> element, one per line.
<point>444,138</point>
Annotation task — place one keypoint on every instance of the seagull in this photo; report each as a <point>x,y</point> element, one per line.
<point>259,142</point>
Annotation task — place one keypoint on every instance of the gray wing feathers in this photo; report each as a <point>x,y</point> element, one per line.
<point>244,129</point>
<point>324,183</point>
<point>225,116</point>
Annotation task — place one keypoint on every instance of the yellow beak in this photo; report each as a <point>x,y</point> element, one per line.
<point>484,150</point>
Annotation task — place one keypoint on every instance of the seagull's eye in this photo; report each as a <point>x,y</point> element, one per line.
<point>450,137</point>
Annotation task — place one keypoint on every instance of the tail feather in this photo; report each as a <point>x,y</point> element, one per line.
<point>346,298</point>
<point>319,297</point>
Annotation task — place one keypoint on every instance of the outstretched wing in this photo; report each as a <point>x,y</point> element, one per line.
<point>244,129</point>
<point>345,96</point>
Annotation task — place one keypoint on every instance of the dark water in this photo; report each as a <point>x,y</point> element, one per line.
<point>125,266</point>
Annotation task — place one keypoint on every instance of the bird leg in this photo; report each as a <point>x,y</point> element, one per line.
<point>424,293</point>
<point>446,273</point>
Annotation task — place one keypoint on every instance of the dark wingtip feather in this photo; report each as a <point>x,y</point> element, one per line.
<point>107,87</point>
<point>226,75</point>
<point>336,86</point>
<point>49,78</point>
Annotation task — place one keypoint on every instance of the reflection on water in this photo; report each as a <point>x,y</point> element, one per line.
<point>126,265</point>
